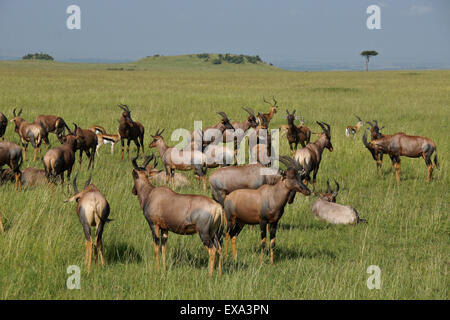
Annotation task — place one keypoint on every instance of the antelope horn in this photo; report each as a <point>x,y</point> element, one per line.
<point>376,122</point>
<point>322,126</point>
<point>335,192</point>
<point>249,111</point>
<point>275,101</point>
<point>20,112</point>
<point>370,124</point>
<point>328,186</point>
<point>359,119</point>
<point>88,182</point>
<point>14,112</point>
<point>121,107</point>
<point>147,160</point>
<point>266,101</point>
<point>224,115</point>
<point>135,165</point>
<point>75,183</point>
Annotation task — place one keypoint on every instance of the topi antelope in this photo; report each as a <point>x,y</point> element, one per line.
<point>55,124</point>
<point>208,135</point>
<point>11,155</point>
<point>400,144</point>
<point>352,130</point>
<point>327,209</point>
<point>58,160</point>
<point>3,125</point>
<point>30,132</point>
<point>130,130</point>
<point>264,206</point>
<point>88,143</point>
<point>93,211</point>
<point>296,135</point>
<point>240,128</point>
<point>28,176</point>
<point>310,156</point>
<point>182,214</point>
<point>175,159</point>
<point>225,180</point>
<point>159,177</point>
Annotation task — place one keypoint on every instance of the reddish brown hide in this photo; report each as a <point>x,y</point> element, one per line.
<point>131,131</point>
<point>11,155</point>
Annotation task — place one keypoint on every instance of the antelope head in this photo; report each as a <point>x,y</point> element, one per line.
<point>126,111</point>
<point>140,173</point>
<point>326,132</point>
<point>330,195</point>
<point>273,106</point>
<point>294,175</point>
<point>225,121</point>
<point>251,118</point>
<point>156,138</point>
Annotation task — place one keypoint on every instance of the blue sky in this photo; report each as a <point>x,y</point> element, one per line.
<point>323,32</point>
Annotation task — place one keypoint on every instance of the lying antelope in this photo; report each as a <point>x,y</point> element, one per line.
<point>28,176</point>
<point>88,142</point>
<point>58,160</point>
<point>327,209</point>
<point>175,159</point>
<point>30,132</point>
<point>296,135</point>
<point>310,156</point>
<point>225,180</point>
<point>131,131</point>
<point>159,177</point>
<point>352,130</point>
<point>182,214</point>
<point>3,125</point>
<point>55,124</point>
<point>400,144</point>
<point>93,211</point>
<point>104,138</point>
<point>11,155</point>
<point>264,206</point>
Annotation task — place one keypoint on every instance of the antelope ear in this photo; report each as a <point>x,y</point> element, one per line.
<point>135,175</point>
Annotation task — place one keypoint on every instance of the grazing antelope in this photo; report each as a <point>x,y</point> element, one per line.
<point>175,159</point>
<point>273,110</point>
<point>327,209</point>
<point>182,214</point>
<point>401,144</point>
<point>58,160</point>
<point>352,130</point>
<point>225,180</point>
<point>30,132</point>
<point>3,125</point>
<point>296,135</point>
<point>104,138</point>
<point>310,156</point>
<point>88,142</point>
<point>130,130</point>
<point>55,124</point>
<point>264,206</point>
<point>11,155</point>
<point>93,211</point>
<point>159,177</point>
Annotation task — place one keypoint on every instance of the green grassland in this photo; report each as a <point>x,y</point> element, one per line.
<point>407,234</point>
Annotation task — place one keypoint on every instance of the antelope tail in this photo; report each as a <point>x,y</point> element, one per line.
<point>436,162</point>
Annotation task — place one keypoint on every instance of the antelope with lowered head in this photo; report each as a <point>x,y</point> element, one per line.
<point>88,143</point>
<point>55,124</point>
<point>30,132</point>
<point>93,211</point>
<point>182,214</point>
<point>11,155</point>
<point>327,209</point>
<point>401,144</point>
<point>175,159</point>
<point>296,135</point>
<point>58,160</point>
<point>3,125</point>
<point>310,156</point>
<point>130,130</point>
<point>352,130</point>
<point>264,206</point>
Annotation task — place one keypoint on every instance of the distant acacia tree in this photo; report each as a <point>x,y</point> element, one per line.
<point>38,56</point>
<point>368,54</point>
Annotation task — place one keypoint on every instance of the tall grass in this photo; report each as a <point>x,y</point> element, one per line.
<point>408,231</point>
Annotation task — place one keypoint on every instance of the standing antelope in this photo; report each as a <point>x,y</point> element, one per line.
<point>3,125</point>
<point>310,156</point>
<point>225,180</point>
<point>11,155</point>
<point>88,143</point>
<point>159,177</point>
<point>327,209</point>
<point>104,138</point>
<point>207,136</point>
<point>175,159</point>
<point>30,132</point>
<point>264,206</point>
<point>273,110</point>
<point>352,130</point>
<point>55,124</point>
<point>93,211</point>
<point>240,128</point>
<point>296,135</point>
<point>401,144</point>
<point>58,160</point>
<point>130,130</point>
<point>182,214</point>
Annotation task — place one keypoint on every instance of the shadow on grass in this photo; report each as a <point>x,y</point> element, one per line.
<point>283,253</point>
<point>312,226</point>
<point>122,253</point>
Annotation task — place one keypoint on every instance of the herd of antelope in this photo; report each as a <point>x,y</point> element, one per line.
<point>241,194</point>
